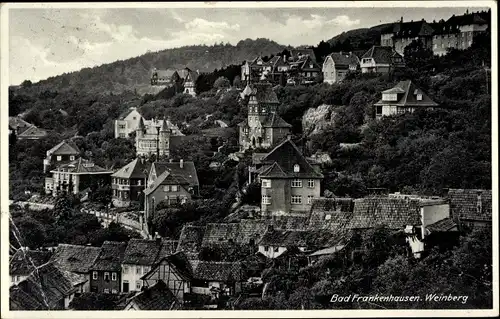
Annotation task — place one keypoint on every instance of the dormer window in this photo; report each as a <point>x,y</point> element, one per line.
<point>389,97</point>
<point>419,97</point>
<point>296,168</point>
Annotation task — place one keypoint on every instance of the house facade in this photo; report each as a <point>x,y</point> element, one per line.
<point>129,182</point>
<point>75,177</point>
<point>156,297</point>
<point>216,278</point>
<point>23,130</point>
<point>128,122</point>
<point>263,127</point>
<point>23,263</point>
<point>138,259</point>
<point>276,242</point>
<point>471,208</point>
<point>337,64</point>
<point>405,97</point>
<point>381,59</point>
<point>401,34</point>
<point>289,182</point>
<point>190,82</point>
<point>153,139</point>
<point>63,153</point>
<point>106,270</point>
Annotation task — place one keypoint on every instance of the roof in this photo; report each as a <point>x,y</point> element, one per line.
<point>381,54</point>
<point>466,19</point>
<point>220,232</point>
<point>110,257</point>
<point>470,204</point>
<point>134,169</point>
<point>284,238</point>
<point>343,59</point>
<point>178,260</point>
<point>125,113</point>
<point>190,240</point>
<point>141,251</point>
<point>444,225</point>
<point>188,170</point>
<point>412,29</point>
<point>168,73</point>
<point>32,131</point>
<point>17,122</point>
<point>408,97</point>
<point>22,300</point>
<point>156,297</point>
<point>257,157</point>
<point>167,248</point>
<point>218,271</point>
<point>24,261</point>
<point>65,148</point>
<point>281,160</point>
<point>340,211</point>
<point>394,213</point>
<point>75,258</point>
<point>166,178</point>
<point>251,229</point>
<point>81,166</point>
<point>328,251</point>
<point>264,93</point>
<point>274,120</point>
<point>310,52</point>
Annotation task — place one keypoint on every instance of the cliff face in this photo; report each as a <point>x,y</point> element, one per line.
<point>315,120</point>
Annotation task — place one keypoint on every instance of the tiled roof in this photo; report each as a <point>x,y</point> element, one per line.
<point>274,120</point>
<point>134,169</point>
<point>342,59</point>
<point>168,247</point>
<point>17,122</point>
<point>188,170</point>
<point>166,178</point>
<point>412,29</point>
<point>443,225</point>
<point>125,113</point>
<point>284,238</point>
<point>22,300</point>
<point>264,93</point>
<point>178,260</point>
<point>75,258</point>
<point>141,251</point>
<point>466,19</point>
<point>286,155</point>
<point>82,166</point>
<point>166,74</point>
<point>33,131</point>
<point>220,232</point>
<point>190,240</point>
<point>381,54</point>
<point>156,297</point>
<point>251,229</point>
<point>307,52</point>
<point>24,261</point>
<point>218,271</point>
<point>408,96</point>
<point>339,209</point>
<point>65,148</point>
<point>394,213</point>
<point>470,204</point>
<point>110,257</point>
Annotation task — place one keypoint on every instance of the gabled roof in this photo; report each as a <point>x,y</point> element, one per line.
<point>141,251</point>
<point>187,171</point>
<point>443,225</point>
<point>381,54</point>
<point>220,232</point>
<point>251,229</point>
<point>466,19</point>
<point>17,122</point>
<point>24,261</point>
<point>32,132</point>
<point>110,257</point>
<point>179,261</point>
<point>167,74</point>
<point>264,93</point>
<point>284,238</point>
<point>82,166</point>
<point>218,271</point>
<point>274,120</point>
<point>65,148</point>
<point>22,300</point>
<point>168,247</point>
<point>304,52</point>
<point>286,155</point>
<point>75,258</point>
<point>343,59</point>
<point>407,96</point>
<point>412,29</point>
<point>339,209</point>
<point>166,178</point>
<point>190,240</point>
<point>471,204</point>
<point>134,169</point>
<point>125,113</point>
<point>155,297</point>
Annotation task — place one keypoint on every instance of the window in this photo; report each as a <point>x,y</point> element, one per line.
<point>139,182</point>
<point>106,291</point>
<point>137,270</point>
<point>296,183</point>
<point>183,200</point>
<point>113,276</point>
<point>296,199</point>
<point>175,188</point>
<point>390,97</point>
<point>106,276</point>
<point>94,275</point>
<point>121,135</point>
<point>166,188</point>
<point>309,199</point>
<point>379,110</point>
<point>266,199</point>
<point>296,168</point>
<point>122,126</point>
<point>59,158</point>
<point>72,158</point>
<point>114,291</point>
<point>138,284</point>
<point>266,183</point>
<point>266,248</point>
<point>125,269</point>
<point>419,97</point>
<point>276,249</point>
<point>328,217</point>
<point>310,183</point>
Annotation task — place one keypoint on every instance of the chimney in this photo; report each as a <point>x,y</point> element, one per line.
<point>170,160</point>
<point>479,203</point>
<point>340,52</point>
<point>181,163</point>
<point>401,19</point>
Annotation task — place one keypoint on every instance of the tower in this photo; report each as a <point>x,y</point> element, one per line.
<point>139,134</point>
<point>164,138</point>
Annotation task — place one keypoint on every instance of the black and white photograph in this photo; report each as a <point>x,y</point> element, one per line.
<point>270,159</point>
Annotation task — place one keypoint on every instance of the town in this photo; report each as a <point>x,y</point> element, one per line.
<point>293,177</point>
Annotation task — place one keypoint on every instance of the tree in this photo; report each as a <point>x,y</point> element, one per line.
<point>237,81</point>
<point>221,83</point>
<point>26,84</point>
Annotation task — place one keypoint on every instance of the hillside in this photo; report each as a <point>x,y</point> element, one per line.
<point>133,74</point>
<point>360,39</point>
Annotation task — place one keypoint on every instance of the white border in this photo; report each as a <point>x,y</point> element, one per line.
<point>4,70</point>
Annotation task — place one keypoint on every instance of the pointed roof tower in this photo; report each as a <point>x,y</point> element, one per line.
<point>141,125</point>
<point>164,126</point>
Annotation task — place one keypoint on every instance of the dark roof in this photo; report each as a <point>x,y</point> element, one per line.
<point>307,52</point>
<point>167,248</point>
<point>188,171</point>
<point>274,120</point>
<point>82,166</point>
<point>412,29</point>
<point>470,204</point>
<point>394,213</point>
<point>218,271</point>
<point>284,238</point>
<point>167,74</point>
<point>281,160</point>
<point>190,240</point>
<point>344,59</point>
<point>220,232</point>
<point>24,261</point>
<point>21,300</point>
<point>75,258</point>
<point>466,19</point>
<point>156,297</point>
<point>16,122</point>
<point>251,229</point>
<point>166,178</point>
<point>65,148</point>
<point>264,93</point>
<point>340,211</point>
<point>110,257</point>
<point>381,54</point>
<point>134,169</point>
<point>179,261</point>
<point>407,96</point>
<point>141,251</point>
<point>442,225</point>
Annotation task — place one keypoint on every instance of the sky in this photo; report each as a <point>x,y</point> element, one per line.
<point>48,42</point>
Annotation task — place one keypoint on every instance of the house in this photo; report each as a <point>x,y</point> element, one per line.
<point>263,126</point>
<point>190,240</point>
<point>129,182</point>
<point>279,67</point>
<point>24,261</point>
<point>164,77</point>
<point>331,213</point>
<point>172,183</point>
<point>106,270</point>
<point>47,288</point>
<point>220,234</point>
<point>139,257</point>
<point>128,123</point>
<point>296,54</point>
<point>175,271</point>
<point>381,59</point>
<point>156,297</point>
<point>63,153</point>
<point>216,278</point>
<point>471,207</point>
<point>305,69</point>
<point>24,130</point>
<point>337,64</point>
<point>251,70</point>
<point>76,176</point>
<point>77,259</point>
<point>276,241</point>
<point>405,97</point>
<point>153,139</point>
<point>190,82</point>
<point>289,182</point>
<point>401,34</point>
